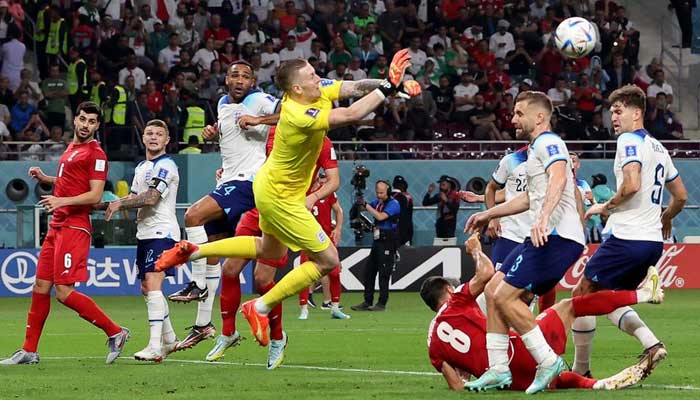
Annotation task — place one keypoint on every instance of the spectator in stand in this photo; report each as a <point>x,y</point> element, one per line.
<point>560,93</point>
<point>5,131</point>
<point>349,37</point>
<point>147,18</point>
<point>193,146</point>
<point>55,145</point>
<point>355,70</point>
<point>172,113</point>
<point>5,116</point>
<point>418,56</point>
<point>519,61</point>
<point>55,91</point>
<point>377,41</point>
<point>201,18</point>
<point>440,37</point>
<point>659,85</point>
<point>391,25</point>
<point>538,9</point>
<point>564,10</point>
<point>31,152</point>
<point>317,51</point>
<point>228,55</point>
<point>366,53</point>
<point>185,67</point>
<point>379,69</point>
<point>158,40</point>
<point>457,57</point>
<point>154,101</point>
<point>363,17</point>
<point>464,97</point>
<point>450,9</point>
<point>169,56</point>
<point>338,73</point>
<point>305,36</point>
<point>107,30</point>
<point>597,132</point>
<point>84,37</point>
<point>132,69</point>
<point>482,121</point>
<point>338,54</point>
<point>12,58</point>
<point>448,202</point>
<point>26,84</point>
<point>502,41</point>
<point>420,118</point>
<point>217,32</point>
<point>660,121</point>
<point>499,74</point>
<point>90,11</point>
<point>429,75</point>
<point>291,51</point>
<point>144,114</point>
<point>189,37</point>
<point>252,34</point>
<point>203,58</point>
<point>289,16</point>
<point>588,98</point>
<point>620,73</point>
<point>485,58</point>
<point>269,60</point>
<point>549,65</point>
<point>444,99</point>
<point>504,117</point>
<point>262,9</point>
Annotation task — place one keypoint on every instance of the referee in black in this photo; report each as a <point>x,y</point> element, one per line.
<point>385,211</point>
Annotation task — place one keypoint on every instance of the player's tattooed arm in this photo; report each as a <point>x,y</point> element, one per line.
<point>359,88</point>
<point>147,198</point>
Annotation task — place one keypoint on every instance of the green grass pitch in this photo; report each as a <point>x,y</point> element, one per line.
<point>371,356</point>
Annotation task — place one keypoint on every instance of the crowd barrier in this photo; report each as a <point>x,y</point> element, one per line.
<point>112,271</point>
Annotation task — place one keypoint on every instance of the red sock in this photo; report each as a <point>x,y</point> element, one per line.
<point>91,312</point>
<point>547,300</point>
<point>304,297</point>
<point>603,302</point>
<point>38,311</point>
<point>335,286</point>
<point>230,300</point>
<point>275,314</point>
<point>572,380</point>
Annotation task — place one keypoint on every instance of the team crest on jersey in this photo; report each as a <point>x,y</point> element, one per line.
<point>312,112</point>
<point>553,149</point>
<point>321,236</point>
<point>630,151</point>
<point>326,82</point>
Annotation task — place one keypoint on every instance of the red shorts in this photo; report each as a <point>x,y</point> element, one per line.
<point>249,226</point>
<point>523,366</point>
<point>63,256</point>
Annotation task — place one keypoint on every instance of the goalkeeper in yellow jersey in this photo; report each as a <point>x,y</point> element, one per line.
<point>280,185</point>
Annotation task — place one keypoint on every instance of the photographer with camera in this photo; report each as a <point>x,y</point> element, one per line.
<point>359,222</point>
<point>400,194</point>
<point>385,211</point>
<point>448,201</point>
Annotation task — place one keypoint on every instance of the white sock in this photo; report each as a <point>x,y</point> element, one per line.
<point>304,307</point>
<point>261,307</point>
<point>497,348</point>
<point>335,306</point>
<point>156,314</point>
<point>627,320</point>
<point>538,347</point>
<point>168,331</point>
<point>583,330</point>
<point>204,308</point>
<point>481,301</point>
<point>197,235</point>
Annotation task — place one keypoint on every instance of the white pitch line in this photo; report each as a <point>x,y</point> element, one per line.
<point>334,369</point>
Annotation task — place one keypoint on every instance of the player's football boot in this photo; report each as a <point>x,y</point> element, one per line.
<point>175,256</point>
<point>337,314</point>
<point>490,380</point>
<point>651,358</point>
<point>275,353</point>
<point>223,342</point>
<point>311,301</point>
<point>623,379</point>
<point>191,292</point>
<point>21,357</point>
<point>326,305</point>
<point>651,287</point>
<point>169,348</point>
<point>258,322</point>
<point>116,344</point>
<point>196,335</point>
<point>304,314</point>
<point>545,375</point>
<point>149,354</point>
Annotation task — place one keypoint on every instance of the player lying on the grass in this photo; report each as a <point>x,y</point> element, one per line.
<point>457,334</point>
<point>78,187</point>
<point>154,192</point>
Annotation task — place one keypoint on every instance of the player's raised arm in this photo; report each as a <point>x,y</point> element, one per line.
<point>484,267</point>
<point>39,175</point>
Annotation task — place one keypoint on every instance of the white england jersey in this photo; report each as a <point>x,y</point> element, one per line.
<point>547,149</point>
<point>511,174</point>
<point>243,152</point>
<point>639,218</point>
<point>584,188</point>
<point>159,221</point>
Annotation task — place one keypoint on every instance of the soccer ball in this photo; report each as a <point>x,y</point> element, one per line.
<point>575,37</point>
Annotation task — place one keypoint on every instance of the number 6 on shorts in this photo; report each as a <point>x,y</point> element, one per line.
<point>67,261</point>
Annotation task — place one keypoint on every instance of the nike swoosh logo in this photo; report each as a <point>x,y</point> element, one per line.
<point>655,280</point>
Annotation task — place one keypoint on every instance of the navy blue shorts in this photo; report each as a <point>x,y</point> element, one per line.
<point>148,251</point>
<point>539,269</point>
<point>500,250</point>
<point>235,198</point>
<point>622,264</point>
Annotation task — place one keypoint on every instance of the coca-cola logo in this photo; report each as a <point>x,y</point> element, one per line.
<point>667,269</point>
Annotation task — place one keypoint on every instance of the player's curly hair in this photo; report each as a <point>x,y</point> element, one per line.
<point>630,96</point>
<point>287,72</point>
<point>537,98</point>
<point>433,289</point>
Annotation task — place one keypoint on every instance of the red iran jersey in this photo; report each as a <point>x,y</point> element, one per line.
<point>457,334</point>
<point>79,164</point>
<point>322,212</point>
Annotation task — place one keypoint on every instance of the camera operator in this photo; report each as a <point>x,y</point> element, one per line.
<point>385,211</point>
<point>400,194</point>
<point>448,205</point>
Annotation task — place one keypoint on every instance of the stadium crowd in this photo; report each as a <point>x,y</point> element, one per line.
<point>145,59</point>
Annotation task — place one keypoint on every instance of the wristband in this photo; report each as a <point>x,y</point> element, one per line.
<point>387,88</point>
